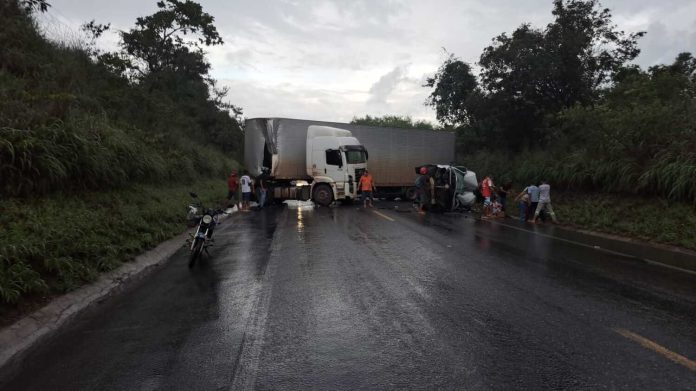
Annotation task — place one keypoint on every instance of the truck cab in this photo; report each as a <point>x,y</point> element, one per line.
<point>335,161</point>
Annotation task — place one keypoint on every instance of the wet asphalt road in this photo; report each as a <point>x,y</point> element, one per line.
<point>343,298</point>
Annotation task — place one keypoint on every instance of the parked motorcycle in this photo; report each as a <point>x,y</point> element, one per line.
<point>206,219</point>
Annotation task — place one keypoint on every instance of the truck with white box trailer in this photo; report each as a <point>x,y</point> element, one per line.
<point>279,148</point>
<point>302,161</point>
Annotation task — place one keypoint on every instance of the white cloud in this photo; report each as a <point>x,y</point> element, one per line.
<point>335,59</point>
<point>382,88</point>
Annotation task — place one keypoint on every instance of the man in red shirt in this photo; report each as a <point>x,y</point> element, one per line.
<point>366,185</point>
<point>487,188</point>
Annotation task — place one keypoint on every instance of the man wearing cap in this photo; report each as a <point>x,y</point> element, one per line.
<point>366,185</point>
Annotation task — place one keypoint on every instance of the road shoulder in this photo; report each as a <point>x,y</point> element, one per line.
<point>18,339</point>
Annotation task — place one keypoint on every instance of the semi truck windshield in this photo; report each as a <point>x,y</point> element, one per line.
<point>355,156</point>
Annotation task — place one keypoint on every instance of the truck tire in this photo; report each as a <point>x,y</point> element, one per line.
<point>322,195</point>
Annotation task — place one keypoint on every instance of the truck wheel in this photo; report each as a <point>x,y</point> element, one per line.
<point>410,194</point>
<point>323,195</point>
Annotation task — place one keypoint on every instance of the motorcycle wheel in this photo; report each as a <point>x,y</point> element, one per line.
<point>195,252</point>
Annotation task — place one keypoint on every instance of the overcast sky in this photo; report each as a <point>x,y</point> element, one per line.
<point>336,59</point>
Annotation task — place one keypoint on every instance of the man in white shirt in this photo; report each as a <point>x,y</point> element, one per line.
<point>545,202</point>
<point>247,189</point>
<point>533,191</point>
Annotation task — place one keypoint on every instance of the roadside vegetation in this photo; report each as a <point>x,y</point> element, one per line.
<point>56,243</point>
<point>98,150</point>
<point>393,121</point>
<point>564,103</point>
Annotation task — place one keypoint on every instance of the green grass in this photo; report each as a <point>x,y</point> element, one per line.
<point>667,175</point>
<point>57,243</point>
<point>68,124</point>
<point>648,218</point>
<point>94,167</point>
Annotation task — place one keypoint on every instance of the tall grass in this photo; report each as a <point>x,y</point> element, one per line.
<point>68,124</point>
<point>93,168</point>
<point>91,154</point>
<point>666,176</point>
<point>55,244</point>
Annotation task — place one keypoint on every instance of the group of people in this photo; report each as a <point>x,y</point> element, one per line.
<point>247,186</point>
<point>425,190</point>
<point>534,201</point>
<point>494,198</point>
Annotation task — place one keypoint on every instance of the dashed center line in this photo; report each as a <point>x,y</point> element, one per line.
<point>676,357</point>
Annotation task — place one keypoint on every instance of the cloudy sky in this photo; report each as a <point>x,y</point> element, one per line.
<point>336,59</point>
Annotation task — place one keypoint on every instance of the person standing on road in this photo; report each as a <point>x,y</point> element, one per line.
<point>232,186</point>
<point>262,191</point>
<point>502,195</point>
<point>523,199</point>
<point>487,188</point>
<point>247,189</point>
<point>366,185</point>
<point>421,185</point>
<point>533,192</point>
<point>545,202</point>
<point>431,191</point>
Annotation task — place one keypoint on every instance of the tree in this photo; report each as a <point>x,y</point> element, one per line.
<point>35,5</point>
<point>454,84</point>
<point>567,63</point>
<point>392,121</point>
<point>172,39</point>
<point>684,64</point>
<point>532,74</point>
<point>162,57</point>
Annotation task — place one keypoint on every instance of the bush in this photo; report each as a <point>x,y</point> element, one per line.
<point>640,140</point>
<point>55,244</point>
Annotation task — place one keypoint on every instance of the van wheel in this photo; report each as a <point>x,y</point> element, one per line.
<point>322,195</point>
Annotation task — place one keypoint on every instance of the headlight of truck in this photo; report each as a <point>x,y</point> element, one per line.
<point>207,219</point>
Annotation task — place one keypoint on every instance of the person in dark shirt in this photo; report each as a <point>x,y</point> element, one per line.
<point>232,186</point>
